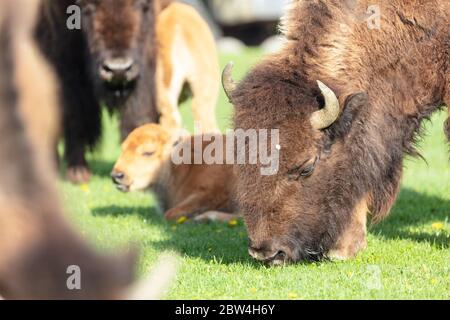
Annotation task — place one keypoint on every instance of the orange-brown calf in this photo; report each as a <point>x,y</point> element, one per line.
<point>187,58</point>
<point>202,192</point>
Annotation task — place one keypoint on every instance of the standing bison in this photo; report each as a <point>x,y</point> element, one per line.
<point>110,60</point>
<point>342,146</point>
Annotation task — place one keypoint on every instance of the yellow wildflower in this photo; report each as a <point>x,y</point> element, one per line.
<point>438,226</point>
<point>181,220</point>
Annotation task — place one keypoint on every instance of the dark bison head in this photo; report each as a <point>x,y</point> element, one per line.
<point>117,33</point>
<point>300,212</point>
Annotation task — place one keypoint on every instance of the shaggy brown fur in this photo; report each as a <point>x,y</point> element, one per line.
<point>111,29</point>
<point>37,244</point>
<point>203,192</point>
<point>140,38</point>
<point>404,69</point>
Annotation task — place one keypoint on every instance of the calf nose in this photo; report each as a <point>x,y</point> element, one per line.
<point>117,176</point>
<point>118,70</point>
<point>272,257</point>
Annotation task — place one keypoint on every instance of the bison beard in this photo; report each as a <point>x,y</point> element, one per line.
<point>111,60</point>
<point>353,165</point>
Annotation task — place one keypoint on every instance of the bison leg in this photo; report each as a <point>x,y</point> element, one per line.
<point>82,128</point>
<point>353,239</point>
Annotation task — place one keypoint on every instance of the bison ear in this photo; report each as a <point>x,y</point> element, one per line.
<point>354,103</point>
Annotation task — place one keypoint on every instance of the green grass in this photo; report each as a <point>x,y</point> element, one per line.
<point>409,253</point>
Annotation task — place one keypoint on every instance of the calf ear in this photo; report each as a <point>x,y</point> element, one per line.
<point>353,104</point>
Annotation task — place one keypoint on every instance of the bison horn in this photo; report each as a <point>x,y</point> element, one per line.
<point>227,80</point>
<point>329,114</point>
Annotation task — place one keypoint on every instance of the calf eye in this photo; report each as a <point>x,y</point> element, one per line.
<point>148,154</point>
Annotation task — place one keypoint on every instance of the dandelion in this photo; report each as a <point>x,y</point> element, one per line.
<point>181,220</point>
<point>85,188</point>
<point>292,296</point>
<point>233,223</point>
<point>437,226</point>
<point>253,290</point>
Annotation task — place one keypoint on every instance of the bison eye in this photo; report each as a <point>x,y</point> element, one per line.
<point>303,171</point>
<point>307,171</point>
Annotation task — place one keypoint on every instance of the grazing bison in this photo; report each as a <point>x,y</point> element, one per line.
<point>199,191</point>
<point>38,246</point>
<point>111,60</point>
<point>342,146</point>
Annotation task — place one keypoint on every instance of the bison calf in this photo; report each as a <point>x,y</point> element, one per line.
<point>203,192</point>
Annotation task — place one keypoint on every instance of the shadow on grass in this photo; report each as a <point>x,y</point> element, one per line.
<point>412,213</point>
<point>210,242</point>
<point>150,214</point>
<point>223,244</point>
<point>101,168</point>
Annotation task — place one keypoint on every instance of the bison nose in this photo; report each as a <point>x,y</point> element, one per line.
<point>117,177</point>
<point>120,70</point>
<point>271,257</point>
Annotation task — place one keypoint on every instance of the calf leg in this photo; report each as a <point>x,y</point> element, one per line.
<point>216,216</point>
<point>187,208</point>
<point>204,103</point>
<point>197,206</point>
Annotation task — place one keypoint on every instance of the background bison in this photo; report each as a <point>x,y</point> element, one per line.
<point>386,81</point>
<point>110,60</point>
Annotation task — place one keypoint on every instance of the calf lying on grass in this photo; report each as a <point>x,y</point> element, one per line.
<point>203,192</point>
<point>38,249</point>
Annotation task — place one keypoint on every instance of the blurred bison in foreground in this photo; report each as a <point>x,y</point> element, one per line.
<point>38,246</point>
<point>342,148</point>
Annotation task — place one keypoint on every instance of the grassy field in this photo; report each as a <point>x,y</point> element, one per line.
<point>408,255</point>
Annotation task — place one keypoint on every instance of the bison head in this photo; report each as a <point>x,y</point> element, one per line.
<point>315,205</point>
<point>117,33</point>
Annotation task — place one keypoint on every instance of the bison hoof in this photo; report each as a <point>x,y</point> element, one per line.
<point>78,175</point>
